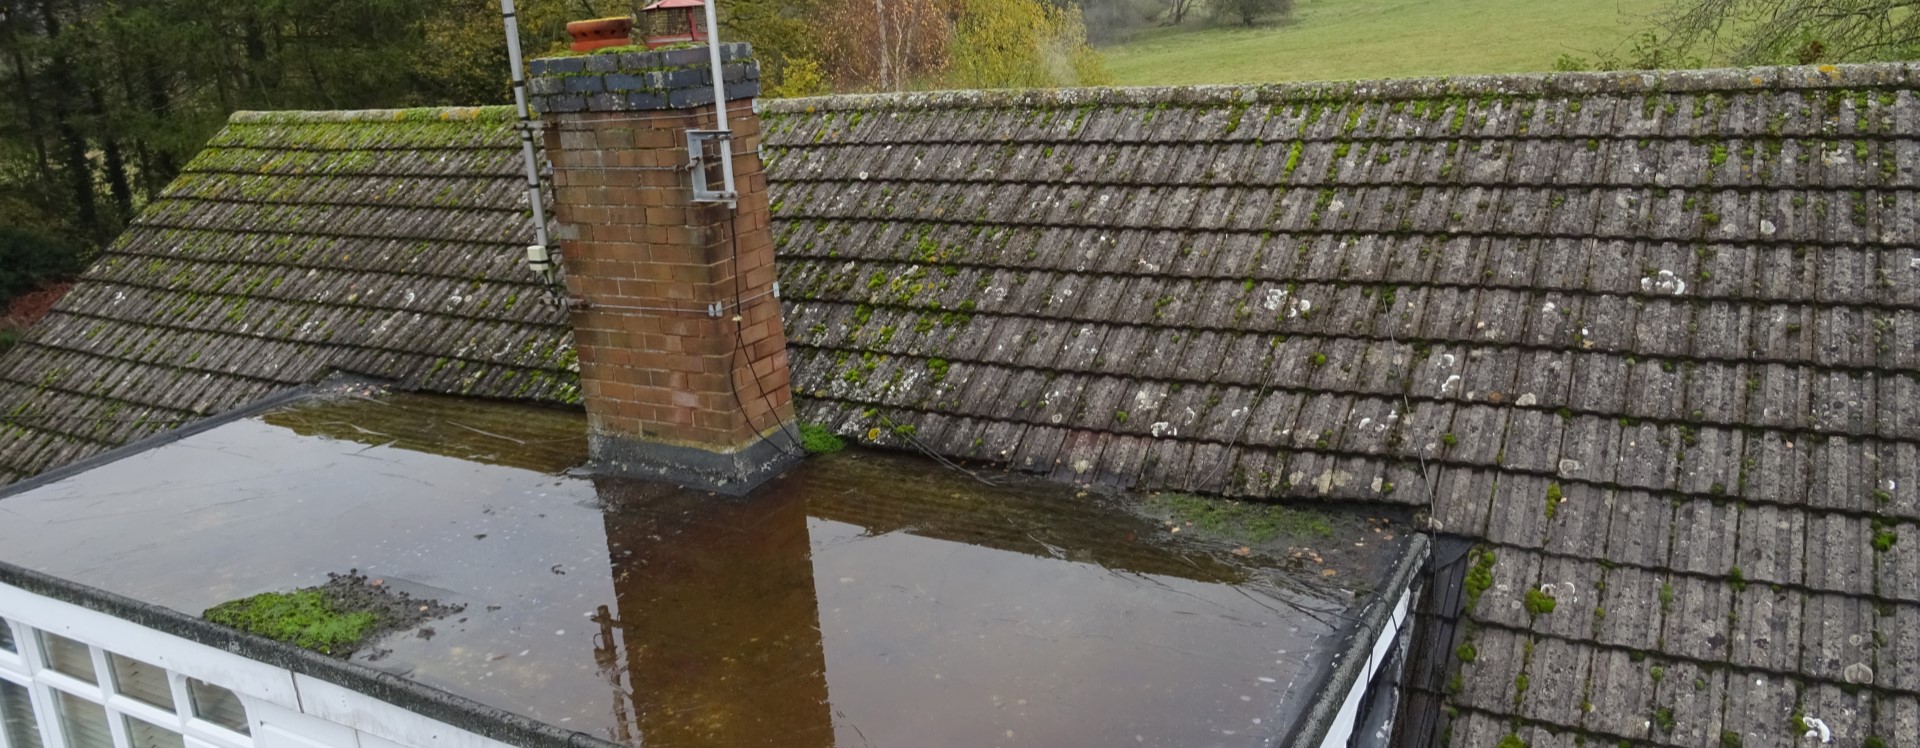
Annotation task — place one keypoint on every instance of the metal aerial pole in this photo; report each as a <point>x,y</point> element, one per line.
<point>526,126</point>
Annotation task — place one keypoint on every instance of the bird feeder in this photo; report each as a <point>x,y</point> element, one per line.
<point>664,26</point>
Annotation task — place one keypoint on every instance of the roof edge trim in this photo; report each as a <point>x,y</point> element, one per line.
<point>457,711</point>
<point>1354,662</point>
<point>1807,77</point>
<point>500,113</point>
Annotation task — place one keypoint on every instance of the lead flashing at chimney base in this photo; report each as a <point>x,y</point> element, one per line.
<point>683,360</point>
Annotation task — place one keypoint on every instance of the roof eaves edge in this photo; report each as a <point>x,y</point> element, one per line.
<point>425,114</point>
<point>1354,662</point>
<point>1719,80</point>
<point>433,703</point>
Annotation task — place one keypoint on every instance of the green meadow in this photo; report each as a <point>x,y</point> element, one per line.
<point>1359,39</point>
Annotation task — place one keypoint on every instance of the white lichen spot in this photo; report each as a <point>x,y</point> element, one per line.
<point>1663,282</point>
<point>1817,728</point>
<point>863,176</point>
<point>1569,467</point>
<point>1548,308</point>
<point>1275,297</point>
<point>1452,381</point>
<point>1162,429</point>
<point>1526,399</point>
<point>1300,306</point>
<point>1082,466</point>
<point>1447,360</point>
<point>1767,228</point>
<point>1858,672</point>
<point>1378,484</point>
<point>1332,479</point>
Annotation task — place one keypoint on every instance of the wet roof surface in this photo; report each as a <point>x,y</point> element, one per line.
<point>862,599</point>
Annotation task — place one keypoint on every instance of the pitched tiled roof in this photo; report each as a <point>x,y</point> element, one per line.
<point>1653,339</point>
<point>1650,339</point>
<point>381,243</point>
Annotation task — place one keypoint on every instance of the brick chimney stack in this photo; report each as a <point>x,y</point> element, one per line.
<point>683,361</point>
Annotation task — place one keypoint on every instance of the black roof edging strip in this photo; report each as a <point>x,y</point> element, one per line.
<point>429,702</point>
<point>1312,728</point>
<point>257,407</point>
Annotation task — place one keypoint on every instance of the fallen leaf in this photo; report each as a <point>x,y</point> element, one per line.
<point>1243,551</point>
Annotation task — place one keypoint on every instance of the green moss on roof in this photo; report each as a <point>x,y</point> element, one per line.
<point>304,618</point>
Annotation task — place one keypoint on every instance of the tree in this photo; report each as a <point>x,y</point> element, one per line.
<point>27,260</point>
<point>885,45</point>
<point>1022,44</point>
<point>786,39</point>
<point>1247,12</point>
<point>1177,11</point>
<point>1759,32</point>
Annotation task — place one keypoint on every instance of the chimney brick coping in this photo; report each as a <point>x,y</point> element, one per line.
<point>639,81</point>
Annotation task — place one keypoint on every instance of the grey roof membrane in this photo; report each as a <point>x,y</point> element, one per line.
<point>862,598</point>
<point>1652,338</point>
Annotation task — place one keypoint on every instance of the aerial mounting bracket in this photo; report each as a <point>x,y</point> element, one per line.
<point>708,150</point>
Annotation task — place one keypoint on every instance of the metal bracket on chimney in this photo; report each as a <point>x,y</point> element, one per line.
<point>699,161</point>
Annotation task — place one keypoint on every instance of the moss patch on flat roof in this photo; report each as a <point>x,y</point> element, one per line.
<point>335,618</point>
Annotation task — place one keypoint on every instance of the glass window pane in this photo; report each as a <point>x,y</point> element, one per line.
<point>143,735</point>
<point>68,656</point>
<point>142,681</point>
<point>16,717</point>
<point>83,722</point>
<point>6,637</point>
<point>218,705</point>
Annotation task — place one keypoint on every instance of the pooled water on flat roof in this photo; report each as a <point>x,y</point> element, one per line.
<point>862,599</point>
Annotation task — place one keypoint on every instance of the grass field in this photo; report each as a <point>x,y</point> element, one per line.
<point>1353,39</point>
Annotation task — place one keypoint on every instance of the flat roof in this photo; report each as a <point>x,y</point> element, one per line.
<point>862,598</point>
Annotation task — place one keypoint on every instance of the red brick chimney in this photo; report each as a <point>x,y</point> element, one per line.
<point>683,361</point>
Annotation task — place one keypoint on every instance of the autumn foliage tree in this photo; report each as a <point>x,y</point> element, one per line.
<point>885,45</point>
<point>1022,43</point>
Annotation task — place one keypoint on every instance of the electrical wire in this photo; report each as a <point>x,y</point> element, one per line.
<point>740,346</point>
<point>935,456</point>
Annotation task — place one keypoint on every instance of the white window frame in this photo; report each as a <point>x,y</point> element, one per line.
<point>28,668</point>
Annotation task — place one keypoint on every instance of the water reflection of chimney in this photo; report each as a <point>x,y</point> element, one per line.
<point>714,638</point>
